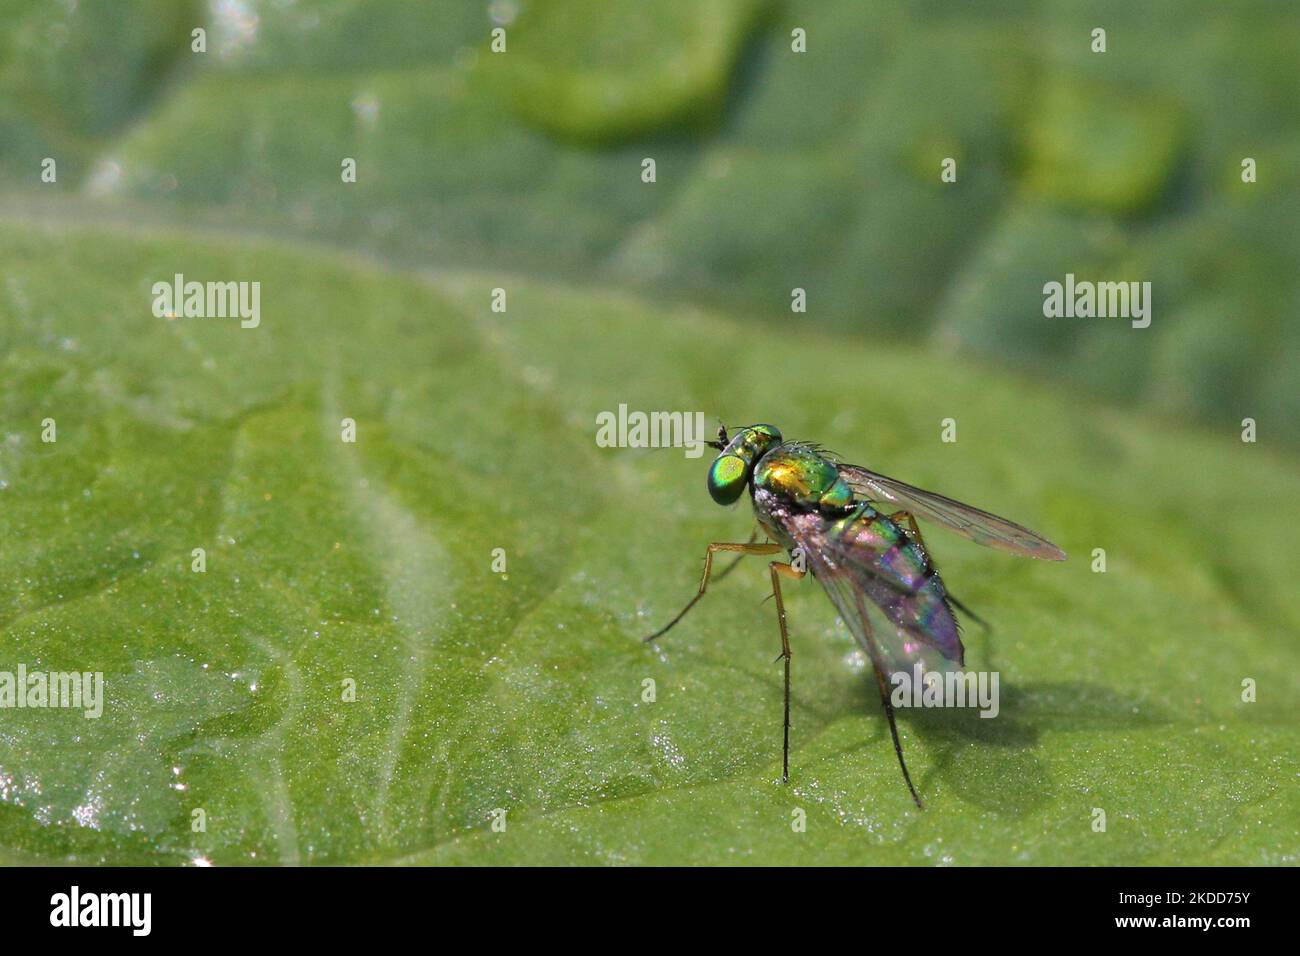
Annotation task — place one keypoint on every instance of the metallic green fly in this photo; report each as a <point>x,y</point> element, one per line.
<point>873,563</point>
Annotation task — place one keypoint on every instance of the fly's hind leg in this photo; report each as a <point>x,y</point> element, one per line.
<point>893,730</point>
<point>885,702</point>
<point>908,519</point>
<point>716,546</point>
<point>779,569</point>
<point>968,612</point>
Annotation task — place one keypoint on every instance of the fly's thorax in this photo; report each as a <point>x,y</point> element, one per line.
<point>734,466</point>
<point>802,476</point>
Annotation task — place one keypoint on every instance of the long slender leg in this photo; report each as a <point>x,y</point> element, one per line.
<point>735,561</point>
<point>884,696</point>
<point>906,517</point>
<point>777,569</point>
<point>893,729</point>
<point>766,548</point>
<point>968,612</point>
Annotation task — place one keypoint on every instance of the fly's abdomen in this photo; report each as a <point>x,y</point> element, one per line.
<point>900,578</point>
<point>896,553</point>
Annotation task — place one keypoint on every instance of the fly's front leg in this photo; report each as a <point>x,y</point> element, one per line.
<point>753,538</point>
<point>716,546</point>
<point>779,569</point>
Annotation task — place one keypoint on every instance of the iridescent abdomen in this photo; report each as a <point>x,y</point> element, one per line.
<point>908,588</point>
<point>868,529</point>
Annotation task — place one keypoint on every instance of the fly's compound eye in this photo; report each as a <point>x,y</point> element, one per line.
<point>727,477</point>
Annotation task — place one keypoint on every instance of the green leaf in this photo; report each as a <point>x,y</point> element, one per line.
<point>522,691</point>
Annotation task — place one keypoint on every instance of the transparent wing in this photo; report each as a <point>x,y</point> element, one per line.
<point>968,521</point>
<point>891,601</point>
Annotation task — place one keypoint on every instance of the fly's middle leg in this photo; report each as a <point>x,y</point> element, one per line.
<point>779,569</point>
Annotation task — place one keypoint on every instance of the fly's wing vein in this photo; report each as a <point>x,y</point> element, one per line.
<point>968,521</point>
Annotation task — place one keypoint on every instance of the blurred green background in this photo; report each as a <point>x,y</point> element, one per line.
<point>480,691</point>
<point>775,170</point>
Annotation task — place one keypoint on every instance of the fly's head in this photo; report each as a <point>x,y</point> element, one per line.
<point>734,466</point>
